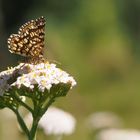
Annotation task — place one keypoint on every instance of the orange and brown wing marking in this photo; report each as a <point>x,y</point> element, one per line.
<point>29,41</point>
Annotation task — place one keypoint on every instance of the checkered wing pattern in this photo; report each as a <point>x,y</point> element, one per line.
<point>29,41</point>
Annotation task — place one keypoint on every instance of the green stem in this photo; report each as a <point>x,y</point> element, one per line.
<point>44,109</point>
<point>21,122</point>
<point>36,117</point>
<point>33,129</point>
<point>23,104</point>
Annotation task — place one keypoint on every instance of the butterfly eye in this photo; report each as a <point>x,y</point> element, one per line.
<point>29,42</point>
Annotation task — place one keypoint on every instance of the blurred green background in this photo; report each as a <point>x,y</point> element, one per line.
<point>96,41</point>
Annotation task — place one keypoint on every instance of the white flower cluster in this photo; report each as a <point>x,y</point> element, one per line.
<point>102,120</point>
<point>119,134</point>
<point>44,75</point>
<point>57,122</point>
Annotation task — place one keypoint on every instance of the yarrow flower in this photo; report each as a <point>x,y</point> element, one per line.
<point>119,134</point>
<point>42,83</point>
<point>103,120</point>
<point>43,76</point>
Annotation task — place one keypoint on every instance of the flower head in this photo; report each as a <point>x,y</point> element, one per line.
<point>119,134</point>
<point>57,122</point>
<point>43,76</point>
<point>102,120</point>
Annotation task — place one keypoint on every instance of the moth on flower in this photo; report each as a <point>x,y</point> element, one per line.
<point>29,42</point>
<point>35,79</point>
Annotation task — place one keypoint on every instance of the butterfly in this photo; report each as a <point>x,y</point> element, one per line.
<point>29,41</point>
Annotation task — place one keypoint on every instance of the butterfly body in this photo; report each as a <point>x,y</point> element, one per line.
<point>29,42</point>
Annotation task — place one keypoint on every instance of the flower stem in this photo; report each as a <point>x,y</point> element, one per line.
<point>21,102</point>
<point>21,122</point>
<point>46,105</point>
<point>33,129</point>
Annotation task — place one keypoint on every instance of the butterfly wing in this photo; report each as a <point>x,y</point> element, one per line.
<point>29,41</point>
